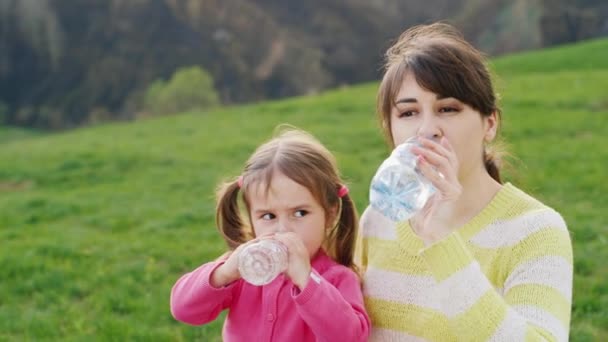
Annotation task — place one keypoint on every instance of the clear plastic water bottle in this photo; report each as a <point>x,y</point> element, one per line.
<point>398,189</point>
<point>261,262</point>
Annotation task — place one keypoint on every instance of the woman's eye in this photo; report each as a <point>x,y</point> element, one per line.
<point>407,114</point>
<point>448,110</point>
<point>300,213</point>
<point>268,216</point>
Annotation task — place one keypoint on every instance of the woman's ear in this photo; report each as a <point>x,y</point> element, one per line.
<point>490,126</point>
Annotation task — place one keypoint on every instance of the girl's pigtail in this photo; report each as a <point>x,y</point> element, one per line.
<point>228,216</point>
<point>345,233</point>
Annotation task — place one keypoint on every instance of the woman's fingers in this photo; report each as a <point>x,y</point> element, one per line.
<point>442,148</point>
<point>441,159</point>
<point>438,163</point>
<point>432,173</point>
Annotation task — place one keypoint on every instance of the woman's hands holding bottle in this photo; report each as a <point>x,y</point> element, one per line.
<point>439,164</point>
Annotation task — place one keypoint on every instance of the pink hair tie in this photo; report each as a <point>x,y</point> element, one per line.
<point>240,181</point>
<point>342,191</point>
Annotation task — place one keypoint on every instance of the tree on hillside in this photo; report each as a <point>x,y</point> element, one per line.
<point>189,88</point>
<point>565,21</point>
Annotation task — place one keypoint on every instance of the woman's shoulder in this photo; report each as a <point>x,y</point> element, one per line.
<point>521,203</point>
<point>518,217</point>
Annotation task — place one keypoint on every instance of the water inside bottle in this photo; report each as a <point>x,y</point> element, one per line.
<point>261,262</point>
<point>399,190</point>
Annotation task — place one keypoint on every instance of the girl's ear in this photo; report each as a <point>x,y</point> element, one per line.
<point>490,126</point>
<point>332,217</point>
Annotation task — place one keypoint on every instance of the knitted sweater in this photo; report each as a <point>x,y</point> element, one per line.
<point>506,275</point>
<point>329,308</point>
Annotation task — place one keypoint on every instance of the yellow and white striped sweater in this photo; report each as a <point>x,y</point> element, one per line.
<point>504,276</point>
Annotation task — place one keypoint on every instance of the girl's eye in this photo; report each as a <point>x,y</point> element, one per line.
<point>268,216</point>
<point>300,213</point>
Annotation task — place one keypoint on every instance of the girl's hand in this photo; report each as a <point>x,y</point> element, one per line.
<point>438,163</point>
<point>228,272</point>
<point>298,267</point>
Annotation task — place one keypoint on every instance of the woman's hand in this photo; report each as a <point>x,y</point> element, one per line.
<point>298,267</point>
<point>438,163</point>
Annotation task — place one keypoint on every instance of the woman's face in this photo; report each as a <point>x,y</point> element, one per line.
<point>419,112</point>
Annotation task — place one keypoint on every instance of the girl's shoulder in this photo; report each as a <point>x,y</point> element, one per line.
<point>329,268</point>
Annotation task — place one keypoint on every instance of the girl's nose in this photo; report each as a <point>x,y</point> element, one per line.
<point>282,228</point>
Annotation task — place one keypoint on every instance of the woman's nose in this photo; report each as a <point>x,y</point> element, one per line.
<point>429,127</point>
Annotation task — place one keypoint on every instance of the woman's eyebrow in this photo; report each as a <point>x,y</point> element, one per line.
<point>406,100</point>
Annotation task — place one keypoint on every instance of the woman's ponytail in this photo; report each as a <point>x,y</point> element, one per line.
<point>492,162</point>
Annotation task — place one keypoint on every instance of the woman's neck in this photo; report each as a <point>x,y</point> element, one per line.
<point>477,191</point>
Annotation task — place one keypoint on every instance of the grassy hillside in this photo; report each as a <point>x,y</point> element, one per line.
<point>97,224</point>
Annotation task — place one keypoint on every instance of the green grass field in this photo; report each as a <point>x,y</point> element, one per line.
<point>96,224</point>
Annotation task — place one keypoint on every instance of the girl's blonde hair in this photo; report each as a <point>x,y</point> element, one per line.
<point>443,62</point>
<point>303,159</point>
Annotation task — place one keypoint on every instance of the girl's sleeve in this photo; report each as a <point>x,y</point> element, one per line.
<point>332,306</point>
<point>534,302</point>
<point>195,301</point>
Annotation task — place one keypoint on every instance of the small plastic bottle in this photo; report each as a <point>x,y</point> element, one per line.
<point>261,262</point>
<point>398,189</point>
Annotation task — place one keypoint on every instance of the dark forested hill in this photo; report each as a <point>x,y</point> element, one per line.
<point>66,62</point>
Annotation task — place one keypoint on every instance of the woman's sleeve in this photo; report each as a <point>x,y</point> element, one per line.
<point>360,257</point>
<point>534,302</point>
<point>195,301</point>
<point>332,306</point>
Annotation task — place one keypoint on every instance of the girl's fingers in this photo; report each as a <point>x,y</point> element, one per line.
<point>290,240</point>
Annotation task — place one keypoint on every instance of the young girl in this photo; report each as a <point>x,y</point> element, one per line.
<point>293,194</point>
<point>483,260</point>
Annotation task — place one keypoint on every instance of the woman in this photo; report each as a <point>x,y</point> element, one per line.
<point>483,260</point>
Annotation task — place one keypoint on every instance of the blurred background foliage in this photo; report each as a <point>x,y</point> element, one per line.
<point>67,63</point>
<point>188,89</point>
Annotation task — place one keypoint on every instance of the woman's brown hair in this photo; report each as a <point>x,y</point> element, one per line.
<point>302,158</point>
<point>442,62</point>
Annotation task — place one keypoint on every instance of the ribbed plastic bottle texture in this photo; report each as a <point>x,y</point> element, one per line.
<point>261,262</point>
<point>398,189</point>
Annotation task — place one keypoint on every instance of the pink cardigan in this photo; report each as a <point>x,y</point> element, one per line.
<point>330,308</point>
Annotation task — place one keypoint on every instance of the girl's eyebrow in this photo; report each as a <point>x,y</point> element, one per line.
<point>302,206</point>
<point>265,210</point>
<point>260,211</point>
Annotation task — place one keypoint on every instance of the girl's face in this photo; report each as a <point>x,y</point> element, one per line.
<point>288,207</point>
<point>419,112</point>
